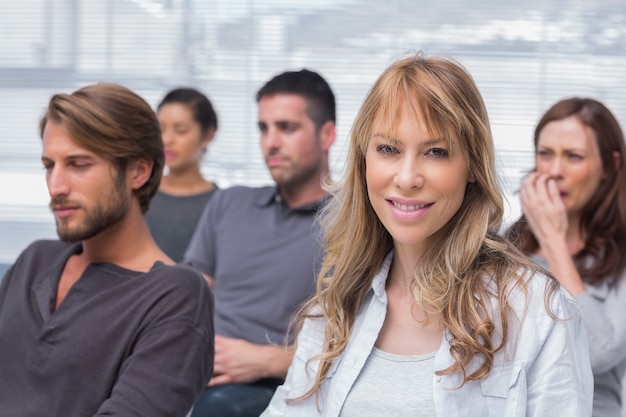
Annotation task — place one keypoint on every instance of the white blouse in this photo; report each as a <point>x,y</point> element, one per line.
<point>544,370</point>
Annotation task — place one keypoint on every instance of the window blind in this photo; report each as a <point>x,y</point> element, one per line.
<point>524,55</point>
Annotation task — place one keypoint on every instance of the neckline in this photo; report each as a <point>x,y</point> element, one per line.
<point>402,358</point>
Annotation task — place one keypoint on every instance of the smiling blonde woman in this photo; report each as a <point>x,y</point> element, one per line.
<point>421,308</point>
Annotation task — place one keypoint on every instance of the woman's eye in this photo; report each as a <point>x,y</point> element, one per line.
<point>386,149</point>
<point>438,152</point>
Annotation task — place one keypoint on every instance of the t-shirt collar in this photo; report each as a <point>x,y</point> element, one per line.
<point>271,195</point>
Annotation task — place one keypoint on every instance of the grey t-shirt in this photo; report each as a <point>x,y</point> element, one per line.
<point>393,385</point>
<point>263,257</point>
<point>172,219</point>
<point>120,341</point>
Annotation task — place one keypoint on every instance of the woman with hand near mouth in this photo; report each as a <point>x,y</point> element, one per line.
<point>421,307</point>
<point>574,224</point>
<point>188,124</point>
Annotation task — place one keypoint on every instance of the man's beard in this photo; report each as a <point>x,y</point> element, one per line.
<point>106,213</point>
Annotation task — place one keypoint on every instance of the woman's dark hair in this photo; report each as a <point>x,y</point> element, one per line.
<point>603,219</point>
<point>200,105</point>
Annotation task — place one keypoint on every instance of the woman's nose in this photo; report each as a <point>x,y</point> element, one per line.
<point>409,175</point>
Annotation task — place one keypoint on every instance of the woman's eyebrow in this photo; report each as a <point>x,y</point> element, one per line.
<point>430,142</point>
<point>391,139</point>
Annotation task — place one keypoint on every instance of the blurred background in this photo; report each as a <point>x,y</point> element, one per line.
<point>524,55</point>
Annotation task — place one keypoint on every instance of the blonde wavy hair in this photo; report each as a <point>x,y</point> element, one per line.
<point>450,278</point>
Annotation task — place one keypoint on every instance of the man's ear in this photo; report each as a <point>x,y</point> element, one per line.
<point>138,172</point>
<point>327,135</point>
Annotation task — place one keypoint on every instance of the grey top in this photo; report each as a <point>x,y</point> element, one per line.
<point>393,385</point>
<point>122,342</point>
<point>603,310</point>
<point>172,219</point>
<point>263,257</point>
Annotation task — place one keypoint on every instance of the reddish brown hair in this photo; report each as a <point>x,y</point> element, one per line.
<point>603,219</point>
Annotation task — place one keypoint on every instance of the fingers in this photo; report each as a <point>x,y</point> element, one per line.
<point>543,207</point>
<point>539,192</point>
<point>555,195</point>
<point>221,371</point>
<point>528,193</point>
<point>221,356</point>
<point>234,361</point>
<point>226,360</point>
<point>220,380</point>
<point>541,189</point>
<point>220,340</point>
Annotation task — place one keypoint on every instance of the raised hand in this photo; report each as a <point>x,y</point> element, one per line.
<point>543,208</point>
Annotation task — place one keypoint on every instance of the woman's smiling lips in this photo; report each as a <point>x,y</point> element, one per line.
<point>408,210</point>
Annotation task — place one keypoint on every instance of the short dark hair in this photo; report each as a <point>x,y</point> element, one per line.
<point>200,105</point>
<point>308,84</point>
<point>115,123</point>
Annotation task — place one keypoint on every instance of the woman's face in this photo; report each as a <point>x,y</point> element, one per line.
<point>567,151</point>
<point>415,181</point>
<point>182,136</point>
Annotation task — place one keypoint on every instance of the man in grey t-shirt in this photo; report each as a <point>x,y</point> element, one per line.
<point>101,322</point>
<point>258,248</point>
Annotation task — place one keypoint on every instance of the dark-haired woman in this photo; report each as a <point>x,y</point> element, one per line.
<point>188,124</point>
<point>574,224</point>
